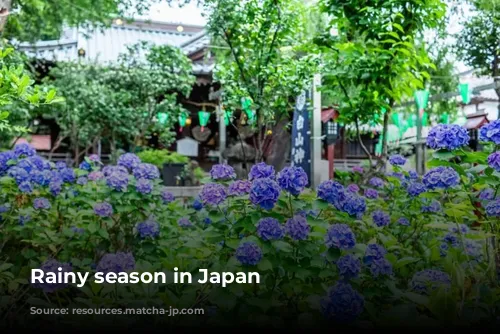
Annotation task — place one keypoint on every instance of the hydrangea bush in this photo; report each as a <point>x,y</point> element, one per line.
<point>354,250</point>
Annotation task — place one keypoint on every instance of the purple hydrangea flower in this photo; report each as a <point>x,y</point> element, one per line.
<point>493,208</point>
<point>77,230</point>
<point>94,158</point>
<point>24,149</point>
<point>52,266</point>
<point>451,239</point>
<point>380,218</point>
<point>403,221</point>
<point>426,281</point>
<point>340,236</point>
<point>264,193</point>
<point>261,171</point>
<point>416,188</point>
<point>373,252</point>
<point>5,158</point>
<point>146,171</point>
<point>129,161</point>
<point>222,172</point>
<point>349,266</point>
<point>116,263</point>
<point>144,186</point>
<point>397,160</point>
<point>491,132</point>
<point>464,229</point>
<point>82,180</point>
<point>41,178</point>
<point>270,229</point>
<point>240,188</point>
<point>371,193</point>
<point>41,203</point>
<point>292,179</point>
<point>297,228</point>
<point>342,303</point>
<point>148,229</point>
<point>331,191</point>
<point>352,204</point>
<point>26,187</point>
<point>108,170</point>
<point>376,182</point>
<point>84,165</point>
<point>380,267</point>
<point>61,165</point>
<point>249,253</point>
<point>213,194</point>
<point>441,177</point>
<point>357,169</point>
<point>117,181</point>
<point>95,176</point>
<point>494,160</point>
<point>430,206</point>
<point>413,175</point>
<point>448,137</point>
<point>487,194</point>
<point>184,222</point>
<point>67,175</point>
<point>166,196</point>
<point>23,219</point>
<point>473,249</point>
<point>197,205</point>
<point>353,188</point>
<point>18,174</point>
<point>55,187</point>
<point>103,209</point>
<point>443,249</point>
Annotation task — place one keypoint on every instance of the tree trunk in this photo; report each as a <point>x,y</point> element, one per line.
<point>5,6</point>
<point>280,145</point>
<point>384,139</point>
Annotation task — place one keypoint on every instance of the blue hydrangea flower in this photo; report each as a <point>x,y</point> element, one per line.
<point>493,208</point>
<point>18,174</point>
<point>426,281</point>
<point>357,169</point>
<point>430,206</point>
<point>94,158</point>
<point>292,179</point>
<point>474,250</point>
<point>116,263</point>
<point>374,252</point>
<point>349,266</point>
<point>448,137</point>
<point>117,180</point>
<point>23,219</point>
<point>490,132</point>
<point>331,191</point>
<point>416,188</point>
<point>67,175</point>
<point>494,160</point>
<point>52,266</point>
<point>413,175</point>
<point>103,209</point>
<point>264,193</point>
<point>146,171</point>
<point>240,188</point>
<point>84,165</point>
<point>82,180</point>
<point>380,218</point>
<point>166,196</point>
<point>213,194</point>
<point>380,267</point>
<point>342,303</point>
<point>261,171</point>
<point>61,165</point>
<point>129,161</point>
<point>397,160</point>
<point>486,194</point>
<point>463,229</point>
<point>26,187</point>
<point>77,230</point>
<point>207,221</point>
<point>184,222</point>
<point>297,228</point>
<point>443,249</point>
<point>144,186</point>
<point>197,205</point>
<point>371,193</point>
<point>55,187</point>
<point>340,236</point>
<point>403,221</point>
<point>270,229</point>
<point>95,176</point>
<point>353,188</point>
<point>148,229</point>
<point>441,177</point>
<point>41,203</point>
<point>376,182</point>
<point>249,253</point>
<point>5,158</point>
<point>108,170</point>
<point>451,239</point>
<point>24,150</point>
<point>352,204</point>
<point>222,172</point>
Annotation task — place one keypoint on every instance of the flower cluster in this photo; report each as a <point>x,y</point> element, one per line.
<point>397,160</point>
<point>117,180</point>
<point>376,182</point>
<point>380,218</point>
<point>403,221</point>
<point>292,179</point>
<point>148,229</point>
<point>352,204</point>
<point>261,171</point>
<point>52,266</point>
<point>41,203</point>
<point>441,177</point>
<point>297,228</point>
<point>342,303</point>
<point>222,172</point>
<point>103,209</point>
<point>144,186</point>
<point>486,194</point>
<point>239,188</point>
<point>493,208</point>
<point>264,193</point>
<point>340,236</point>
<point>349,266</point>
<point>490,132</point>
<point>116,263</point>
<point>375,260</point>
<point>129,161</point>
<point>416,188</point>
<point>248,253</point>
<point>430,206</point>
<point>146,171</point>
<point>426,281</point>
<point>270,229</point>
<point>494,160</point>
<point>184,222</point>
<point>331,191</point>
<point>166,196</point>
<point>448,137</point>
<point>371,193</point>
<point>213,194</point>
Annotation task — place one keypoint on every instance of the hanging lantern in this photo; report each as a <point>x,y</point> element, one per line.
<point>250,115</point>
<point>162,118</point>
<point>227,117</point>
<point>203,117</point>
<point>425,118</point>
<point>246,103</point>
<point>421,99</point>
<point>465,92</point>
<point>182,120</point>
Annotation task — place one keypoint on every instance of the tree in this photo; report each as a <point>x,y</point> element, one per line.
<point>261,60</point>
<point>121,102</point>
<point>373,63</point>
<point>478,44</point>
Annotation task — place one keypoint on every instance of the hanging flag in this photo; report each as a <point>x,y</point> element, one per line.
<point>301,135</point>
<point>465,92</point>
<point>182,120</point>
<point>203,117</point>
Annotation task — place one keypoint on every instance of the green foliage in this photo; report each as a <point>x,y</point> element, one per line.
<point>161,157</point>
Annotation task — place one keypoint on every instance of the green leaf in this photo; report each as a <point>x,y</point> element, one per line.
<point>283,246</point>
<point>264,265</point>
<point>50,96</point>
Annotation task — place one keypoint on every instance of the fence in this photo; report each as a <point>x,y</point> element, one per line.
<point>68,157</point>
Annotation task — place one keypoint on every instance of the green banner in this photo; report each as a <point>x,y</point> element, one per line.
<point>465,92</point>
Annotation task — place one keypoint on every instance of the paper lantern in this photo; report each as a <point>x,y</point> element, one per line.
<point>182,120</point>
<point>421,99</point>
<point>227,117</point>
<point>465,92</point>
<point>162,118</point>
<point>203,117</point>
